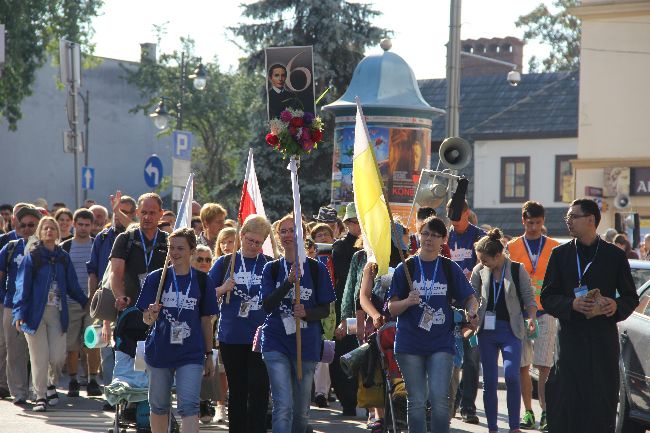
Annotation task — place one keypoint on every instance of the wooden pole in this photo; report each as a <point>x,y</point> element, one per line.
<point>296,286</point>
<point>233,257</point>
<point>162,277</point>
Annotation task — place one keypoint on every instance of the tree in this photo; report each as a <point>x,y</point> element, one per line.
<point>560,30</point>
<point>340,32</point>
<point>217,115</point>
<point>33,29</point>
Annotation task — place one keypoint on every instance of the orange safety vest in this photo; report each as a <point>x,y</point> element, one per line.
<point>519,253</point>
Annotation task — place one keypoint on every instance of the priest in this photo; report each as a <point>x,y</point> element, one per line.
<point>579,288</point>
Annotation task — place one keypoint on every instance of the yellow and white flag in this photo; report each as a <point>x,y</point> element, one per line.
<point>369,199</point>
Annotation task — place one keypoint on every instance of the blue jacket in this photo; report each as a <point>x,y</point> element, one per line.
<point>32,287</point>
<point>7,296</point>
<point>99,255</point>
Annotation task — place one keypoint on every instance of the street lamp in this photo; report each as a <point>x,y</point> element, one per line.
<point>160,116</point>
<point>514,77</point>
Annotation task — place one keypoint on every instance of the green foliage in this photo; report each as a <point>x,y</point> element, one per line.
<point>340,32</point>
<point>559,30</point>
<point>217,116</point>
<point>33,29</point>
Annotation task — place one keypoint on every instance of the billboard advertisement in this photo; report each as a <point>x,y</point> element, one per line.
<point>401,153</point>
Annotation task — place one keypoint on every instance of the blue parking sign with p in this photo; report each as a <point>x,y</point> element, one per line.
<point>182,145</point>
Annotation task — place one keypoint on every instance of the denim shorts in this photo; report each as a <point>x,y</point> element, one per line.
<point>188,388</point>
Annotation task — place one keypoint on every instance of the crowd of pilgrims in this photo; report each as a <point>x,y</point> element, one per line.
<point>454,297</point>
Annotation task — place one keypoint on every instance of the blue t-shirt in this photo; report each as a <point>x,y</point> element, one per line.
<point>234,329</point>
<point>9,285</point>
<point>159,352</point>
<point>274,336</point>
<point>410,337</point>
<point>461,246</point>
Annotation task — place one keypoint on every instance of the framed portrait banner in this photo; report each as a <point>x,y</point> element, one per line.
<point>289,79</point>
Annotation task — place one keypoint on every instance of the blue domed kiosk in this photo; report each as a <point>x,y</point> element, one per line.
<point>399,122</point>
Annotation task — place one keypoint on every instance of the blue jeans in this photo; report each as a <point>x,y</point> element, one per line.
<point>427,376</point>
<point>469,384</point>
<point>188,388</point>
<point>291,397</point>
<point>490,343</point>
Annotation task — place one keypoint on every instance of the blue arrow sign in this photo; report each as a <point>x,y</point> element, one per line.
<point>182,145</point>
<point>153,171</point>
<point>87,178</point>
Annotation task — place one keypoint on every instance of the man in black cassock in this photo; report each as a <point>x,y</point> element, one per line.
<point>582,392</point>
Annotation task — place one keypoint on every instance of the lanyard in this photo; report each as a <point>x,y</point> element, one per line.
<point>580,273</point>
<point>530,253</point>
<point>179,306</point>
<point>249,281</point>
<point>427,292</point>
<point>494,287</point>
<point>147,259</point>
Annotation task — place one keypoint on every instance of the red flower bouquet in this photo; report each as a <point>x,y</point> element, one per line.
<point>295,132</point>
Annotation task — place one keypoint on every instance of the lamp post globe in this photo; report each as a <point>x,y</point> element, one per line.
<point>199,77</point>
<point>160,116</point>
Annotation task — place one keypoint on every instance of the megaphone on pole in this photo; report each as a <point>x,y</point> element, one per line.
<point>621,201</point>
<point>455,153</point>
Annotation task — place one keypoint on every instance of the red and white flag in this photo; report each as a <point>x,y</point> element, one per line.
<point>251,200</point>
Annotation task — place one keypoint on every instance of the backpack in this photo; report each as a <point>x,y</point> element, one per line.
<point>38,261</point>
<point>515,270</point>
<point>11,247</point>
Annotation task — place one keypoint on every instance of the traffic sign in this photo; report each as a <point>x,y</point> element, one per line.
<point>153,171</point>
<point>182,145</point>
<point>87,178</point>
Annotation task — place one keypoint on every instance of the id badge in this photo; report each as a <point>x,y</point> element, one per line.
<point>176,335</point>
<point>580,291</point>
<point>142,277</point>
<point>244,309</point>
<point>426,320</point>
<point>289,323</point>
<point>490,322</point>
<point>53,297</point>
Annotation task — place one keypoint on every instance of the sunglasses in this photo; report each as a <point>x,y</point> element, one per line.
<point>25,225</point>
<point>203,260</point>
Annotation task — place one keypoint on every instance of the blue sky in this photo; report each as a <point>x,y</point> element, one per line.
<point>421,28</point>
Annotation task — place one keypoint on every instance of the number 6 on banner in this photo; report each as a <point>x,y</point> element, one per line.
<point>303,69</point>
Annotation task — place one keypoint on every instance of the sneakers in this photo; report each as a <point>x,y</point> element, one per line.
<point>73,388</point>
<point>528,420</point>
<point>19,401</point>
<point>52,396</point>
<point>40,405</point>
<point>221,413</point>
<point>543,424</point>
<point>321,401</point>
<point>206,412</point>
<point>93,389</point>
<point>469,417</point>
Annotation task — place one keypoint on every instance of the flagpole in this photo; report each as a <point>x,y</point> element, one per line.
<point>233,257</point>
<point>383,188</point>
<point>297,219</point>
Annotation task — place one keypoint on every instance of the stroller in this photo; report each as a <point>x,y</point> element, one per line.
<point>395,391</point>
<point>129,389</point>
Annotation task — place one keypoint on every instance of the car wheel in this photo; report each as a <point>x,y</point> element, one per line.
<point>624,424</point>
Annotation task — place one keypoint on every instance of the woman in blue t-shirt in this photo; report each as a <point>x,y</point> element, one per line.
<point>291,396</point>
<point>424,340</point>
<point>181,338</point>
<point>502,327</point>
<point>247,378</point>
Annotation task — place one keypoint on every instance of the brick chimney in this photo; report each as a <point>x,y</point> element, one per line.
<point>509,49</point>
<point>148,52</point>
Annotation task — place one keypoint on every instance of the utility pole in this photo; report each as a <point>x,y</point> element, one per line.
<point>86,102</point>
<point>453,71</point>
<point>70,60</point>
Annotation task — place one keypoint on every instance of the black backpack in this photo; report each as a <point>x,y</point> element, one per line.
<point>38,261</point>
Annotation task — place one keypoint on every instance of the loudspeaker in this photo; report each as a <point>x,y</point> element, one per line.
<point>621,201</point>
<point>455,153</point>
<point>431,195</point>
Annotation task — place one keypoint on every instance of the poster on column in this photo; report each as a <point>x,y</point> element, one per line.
<point>290,79</point>
<point>401,154</point>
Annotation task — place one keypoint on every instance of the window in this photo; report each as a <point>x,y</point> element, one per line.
<point>515,179</point>
<point>564,178</point>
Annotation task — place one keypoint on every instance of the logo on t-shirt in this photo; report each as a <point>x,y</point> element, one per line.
<point>243,278</point>
<point>305,293</point>
<point>460,254</point>
<point>18,260</point>
<point>427,289</point>
<point>185,302</point>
